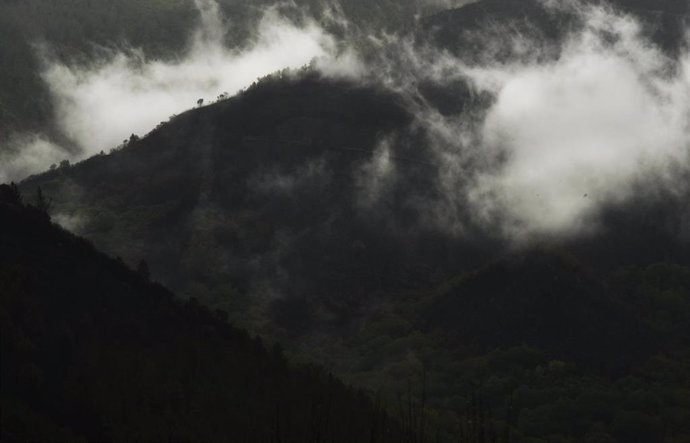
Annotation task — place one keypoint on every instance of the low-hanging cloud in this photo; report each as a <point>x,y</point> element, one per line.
<point>24,154</point>
<point>101,105</point>
<point>561,135</point>
<point>579,132</point>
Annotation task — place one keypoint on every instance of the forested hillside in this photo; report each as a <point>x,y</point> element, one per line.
<point>93,351</point>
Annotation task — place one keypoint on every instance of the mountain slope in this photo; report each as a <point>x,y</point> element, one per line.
<point>93,351</point>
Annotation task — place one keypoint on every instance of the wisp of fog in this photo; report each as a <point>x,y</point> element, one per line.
<point>99,105</point>
<point>580,131</point>
<point>560,137</point>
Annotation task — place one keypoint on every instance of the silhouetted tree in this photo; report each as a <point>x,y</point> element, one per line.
<point>10,194</point>
<point>42,202</point>
<point>143,270</point>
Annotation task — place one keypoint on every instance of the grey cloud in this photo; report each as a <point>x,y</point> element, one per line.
<point>25,154</point>
<point>556,137</point>
<point>99,106</point>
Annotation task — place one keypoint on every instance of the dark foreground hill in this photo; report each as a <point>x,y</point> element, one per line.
<point>91,350</point>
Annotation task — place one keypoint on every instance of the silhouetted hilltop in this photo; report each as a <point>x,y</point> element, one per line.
<point>84,32</point>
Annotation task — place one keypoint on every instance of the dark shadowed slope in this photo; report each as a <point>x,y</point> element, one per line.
<point>549,302</point>
<point>93,351</point>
